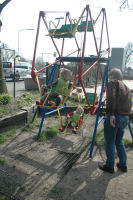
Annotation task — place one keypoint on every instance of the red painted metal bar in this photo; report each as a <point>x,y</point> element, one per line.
<point>107,50</point>
<point>47,66</point>
<point>107,33</point>
<point>84,42</point>
<point>101,35</point>
<point>77,44</point>
<point>35,48</point>
<point>54,63</point>
<point>93,32</point>
<point>63,40</point>
<point>98,62</point>
<point>101,43</point>
<point>95,90</point>
<point>89,69</point>
<point>52,38</point>
<point>81,82</point>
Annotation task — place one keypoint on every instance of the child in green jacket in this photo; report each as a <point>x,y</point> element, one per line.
<point>62,86</point>
<point>74,119</point>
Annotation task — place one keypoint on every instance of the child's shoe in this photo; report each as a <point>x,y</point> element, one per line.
<point>74,130</point>
<point>62,128</point>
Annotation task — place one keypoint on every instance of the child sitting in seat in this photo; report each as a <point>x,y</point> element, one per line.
<point>73,119</point>
<point>62,86</point>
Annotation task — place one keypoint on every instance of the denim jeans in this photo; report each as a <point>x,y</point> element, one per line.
<point>114,138</point>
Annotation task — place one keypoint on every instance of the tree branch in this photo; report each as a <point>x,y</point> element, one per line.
<point>2,5</point>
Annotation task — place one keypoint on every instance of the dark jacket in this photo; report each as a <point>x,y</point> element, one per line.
<point>118,98</point>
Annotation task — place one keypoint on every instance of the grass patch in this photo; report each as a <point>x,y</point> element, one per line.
<point>55,191</point>
<point>10,133</point>
<point>3,139</point>
<point>128,142</point>
<point>99,139</point>
<point>8,105</point>
<point>29,126</point>
<point>2,161</point>
<point>48,134</point>
<point>4,198</point>
<point>5,135</point>
<point>21,187</point>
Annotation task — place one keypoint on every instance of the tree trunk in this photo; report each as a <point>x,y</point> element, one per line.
<point>3,88</point>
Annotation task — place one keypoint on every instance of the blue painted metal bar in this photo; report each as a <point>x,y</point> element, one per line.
<point>130,129</point>
<point>41,124</point>
<point>99,121</point>
<point>98,112</point>
<point>52,74</point>
<point>36,111</point>
<point>45,113</point>
<point>55,110</point>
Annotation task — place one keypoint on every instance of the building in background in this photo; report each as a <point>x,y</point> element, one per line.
<point>117,59</point>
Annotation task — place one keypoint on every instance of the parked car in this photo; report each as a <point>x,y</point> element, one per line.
<point>22,70</point>
<point>7,68</point>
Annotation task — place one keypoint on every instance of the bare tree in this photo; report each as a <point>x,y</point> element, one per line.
<point>126,4</point>
<point>7,53</point>
<point>40,63</point>
<point>2,5</point>
<point>3,88</point>
<point>129,55</point>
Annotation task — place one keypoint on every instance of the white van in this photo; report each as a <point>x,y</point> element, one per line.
<point>22,70</point>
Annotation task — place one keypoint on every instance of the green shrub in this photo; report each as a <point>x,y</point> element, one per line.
<point>1,112</point>
<point>50,133</point>
<point>5,99</point>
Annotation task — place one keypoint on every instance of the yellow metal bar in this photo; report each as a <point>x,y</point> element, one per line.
<point>38,84</point>
<point>78,21</point>
<point>72,31</point>
<point>59,115</point>
<point>65,133</point>
<point>74,82</point>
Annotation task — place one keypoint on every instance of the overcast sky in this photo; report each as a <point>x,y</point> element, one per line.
<point>21,14</point>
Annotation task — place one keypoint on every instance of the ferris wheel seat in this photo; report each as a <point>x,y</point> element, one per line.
<point>90,98</point>
<point>66,31</point>
<point>81,27</point>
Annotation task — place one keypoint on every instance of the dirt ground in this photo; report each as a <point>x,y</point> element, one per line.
<point>60,168</point>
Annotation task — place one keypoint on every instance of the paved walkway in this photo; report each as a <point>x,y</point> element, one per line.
<point>42,170</point>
